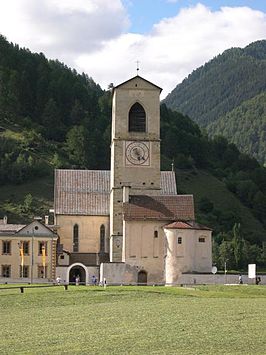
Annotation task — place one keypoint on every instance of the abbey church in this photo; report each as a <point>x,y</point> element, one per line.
<point>129,225</point>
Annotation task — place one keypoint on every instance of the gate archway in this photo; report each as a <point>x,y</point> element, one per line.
<point>142,277</point>
<point>77,269</point>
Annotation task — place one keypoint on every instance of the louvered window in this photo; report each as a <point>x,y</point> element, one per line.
<point>137,118</point>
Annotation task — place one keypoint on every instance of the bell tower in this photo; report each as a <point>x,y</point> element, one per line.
<point>135,150</point>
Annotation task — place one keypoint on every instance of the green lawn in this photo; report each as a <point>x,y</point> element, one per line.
<point>131,320</point>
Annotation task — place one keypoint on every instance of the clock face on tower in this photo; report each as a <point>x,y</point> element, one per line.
<point>137,153</point>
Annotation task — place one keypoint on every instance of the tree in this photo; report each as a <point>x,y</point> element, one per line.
<point>51,120</point>
<point>226,255</point>
<point>237,244</point>
<point>79,147</point>
<point>27,205</point>
<point>205,205</point>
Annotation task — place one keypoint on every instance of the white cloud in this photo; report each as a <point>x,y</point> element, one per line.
<point>62,27</point>
<point>91,36</point>
<point>175,46</point>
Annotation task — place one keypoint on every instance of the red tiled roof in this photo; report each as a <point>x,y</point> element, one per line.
<point>159,207</point>
<point>186,225</point>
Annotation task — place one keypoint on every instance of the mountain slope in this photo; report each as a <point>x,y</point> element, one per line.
<point>222,84</point>
<point>212,91</point>
<point>52,117</point>
<point>245,126</point>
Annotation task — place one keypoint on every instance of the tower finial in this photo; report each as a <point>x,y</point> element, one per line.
<point>137,66</point>
<point>173,165</point>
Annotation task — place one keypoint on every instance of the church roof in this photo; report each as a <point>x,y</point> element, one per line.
<point>186,225</point>
<point>138,77</point>
<point>87,192</point>
<point>178,207</point>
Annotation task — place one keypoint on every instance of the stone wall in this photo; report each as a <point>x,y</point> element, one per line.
<point>118,273</point>
<point>210,279</point>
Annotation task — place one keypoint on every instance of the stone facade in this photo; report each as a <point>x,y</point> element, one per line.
<point>187,250</point>
<point>22,256</point>
<point>89,230</point>
<point>141,179</point>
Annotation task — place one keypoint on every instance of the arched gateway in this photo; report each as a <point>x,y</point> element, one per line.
<point>77,269</point>
<point>142,277</point>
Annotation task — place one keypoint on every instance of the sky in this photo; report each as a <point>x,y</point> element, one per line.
<point>106,38</point>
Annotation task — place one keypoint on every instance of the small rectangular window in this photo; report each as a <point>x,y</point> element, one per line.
<point>24,271</point>
<point>179,240</point>
<point>6,270</point>
<point>155,234</point>
<point>6,247</point>
<point>201,240</point>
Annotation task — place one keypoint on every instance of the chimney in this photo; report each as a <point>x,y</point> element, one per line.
<point>5,219</point>
<point>46,219</point>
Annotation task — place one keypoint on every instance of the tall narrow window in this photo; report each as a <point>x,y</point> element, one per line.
<point>102,239</point>
<point>25,246</point>
<point>75,238</point>
<point>42,248</point>
<point>6,247</point>
<point>24,271</point>
<point>137,119</point>
<point>155,244</point>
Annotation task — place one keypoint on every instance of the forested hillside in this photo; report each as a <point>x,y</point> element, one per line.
<point>245,126</point>
<point>51,116</point>
<point>220,86</point>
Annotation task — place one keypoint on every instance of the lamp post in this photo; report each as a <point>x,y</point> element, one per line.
<point>21,253</point>
<point>32,258</point>
<point>225,271</point>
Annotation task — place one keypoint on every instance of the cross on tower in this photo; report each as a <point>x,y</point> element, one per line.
<point>137,66</point>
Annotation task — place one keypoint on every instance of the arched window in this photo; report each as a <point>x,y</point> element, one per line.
<point>75,238</point>
<point>137,118</point>
<point>102,238</point>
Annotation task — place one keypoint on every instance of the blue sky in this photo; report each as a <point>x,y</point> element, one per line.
<point>105,38</point>
<point>144,13</point>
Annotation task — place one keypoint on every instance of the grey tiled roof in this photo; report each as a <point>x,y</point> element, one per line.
<point>10,228</point>
<point>86,192</point>
<point>168,183</point>
<point>82,192</point>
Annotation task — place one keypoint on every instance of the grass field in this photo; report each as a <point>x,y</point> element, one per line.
<point>134,320</point>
